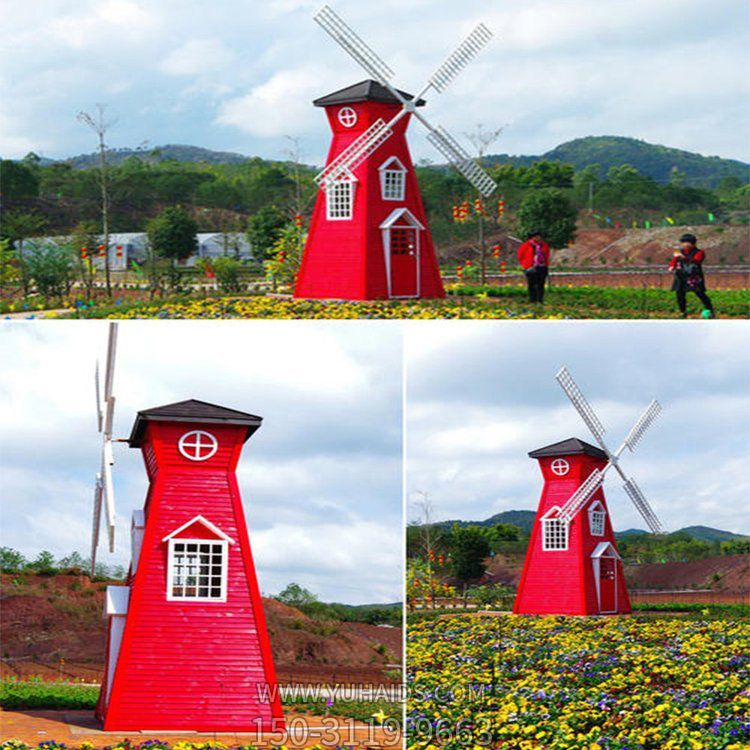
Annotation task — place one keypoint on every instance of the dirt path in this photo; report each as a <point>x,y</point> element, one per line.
<point>75,727</point>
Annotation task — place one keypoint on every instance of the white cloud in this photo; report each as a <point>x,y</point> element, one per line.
<point>279,105</point>
<point>197,57</point>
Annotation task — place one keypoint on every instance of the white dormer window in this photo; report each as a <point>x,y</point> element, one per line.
<point>340,200</point>
<point>554,531</point>
<point>197,567</point>
<point>597,516</point>
<point>392,180</point>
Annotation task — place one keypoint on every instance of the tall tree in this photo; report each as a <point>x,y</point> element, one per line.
<point>550,212</point>
<point>17,227</point>
<point>469,549</point>
<point>100,125</point>
<point>173,234</point>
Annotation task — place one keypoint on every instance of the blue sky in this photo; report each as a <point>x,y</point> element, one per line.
<point>482,395</point>
<point>240,74</point>
<point>321,479</point>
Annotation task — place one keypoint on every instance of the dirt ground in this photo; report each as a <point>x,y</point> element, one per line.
<point>75,727</point>
<point>44,619</point>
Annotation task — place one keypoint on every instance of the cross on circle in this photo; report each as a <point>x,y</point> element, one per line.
<point>347,117</point>
<point>560,467</point>
<point>198,445</point>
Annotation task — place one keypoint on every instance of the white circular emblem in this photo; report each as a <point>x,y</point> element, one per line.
<point>560,467</point>
<point>347,117</point>
<point>198,445</point>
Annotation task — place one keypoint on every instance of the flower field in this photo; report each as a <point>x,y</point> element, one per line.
<point>463,301</point>
<point>543,683</point>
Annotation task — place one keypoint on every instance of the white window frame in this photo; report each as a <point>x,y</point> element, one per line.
<point>211,443</point>
<point>338,194</point>
<point>559,467</point>
<point>597,518</point>
<point>223,544</point>
<point>390,170</point>
<point>550,521</point>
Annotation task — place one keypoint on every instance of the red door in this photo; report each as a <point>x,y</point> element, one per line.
<point>607,584</point>
<point>403,262</point>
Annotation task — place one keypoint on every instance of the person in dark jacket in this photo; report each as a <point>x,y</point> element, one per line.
<point>687,265</point>
<point>533,255</point>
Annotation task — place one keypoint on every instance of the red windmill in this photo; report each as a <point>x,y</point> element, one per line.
<point>187,645</point>
<point>369,237</point>
<point>572,565</point>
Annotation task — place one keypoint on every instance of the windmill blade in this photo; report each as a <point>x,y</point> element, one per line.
<point>96,520</point>
<point>464,54</point>
<point>99,415</point>
<point>573,392</point>
<point>355,153</point>
<point>643,507</point>
<point>342,33</point>
<point>109,372</point>
<point>108,491</point>
<point>457,156</point>
<point>581,496</point>
<point>639,428</point>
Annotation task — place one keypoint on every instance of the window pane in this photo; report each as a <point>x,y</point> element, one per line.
<point>216,593</point>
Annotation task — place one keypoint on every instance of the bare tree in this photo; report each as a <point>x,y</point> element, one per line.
<point>294,155</point>
<point>100,125</point>
<point>426,516</point>
<point>482,139</point>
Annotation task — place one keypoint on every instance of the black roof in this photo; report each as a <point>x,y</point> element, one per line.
<point>191,410</point>
<point>571,446</point>
<point>364,91</point>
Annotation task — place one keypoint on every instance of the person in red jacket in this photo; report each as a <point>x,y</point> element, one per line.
<point>533,255</point>
<point>687,266</point>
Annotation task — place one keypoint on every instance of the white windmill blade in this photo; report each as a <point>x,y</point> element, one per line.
<point>573,392</point>
<point>463,55</point>
<point>581,496</point>
<point>96,520</point>
<point>640,502</point>
<point>342,33</point>
<point>99,415</point>
<point>108,491</point>
<point>639,428</point>
<point>109,372</point>
<point>355,153</point>
<point>447,145</point>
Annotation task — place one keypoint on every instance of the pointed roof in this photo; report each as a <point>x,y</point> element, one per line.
<point>194,411</point>
<point>364,91</point>
<point>569,447</point>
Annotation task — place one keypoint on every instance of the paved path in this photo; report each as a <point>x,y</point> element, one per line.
<point>303,731</point>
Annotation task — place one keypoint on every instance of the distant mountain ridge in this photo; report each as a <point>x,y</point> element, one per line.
<point>650,159</point>
<point>524,520</point>
<point>655,161</point>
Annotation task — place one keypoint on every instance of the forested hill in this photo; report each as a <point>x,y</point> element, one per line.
<point>657,162</point>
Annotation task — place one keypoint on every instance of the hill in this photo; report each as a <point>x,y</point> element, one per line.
<point>46,618</point>
<point>658,162</point>
<point>524,520</point>
<point>170,152</point>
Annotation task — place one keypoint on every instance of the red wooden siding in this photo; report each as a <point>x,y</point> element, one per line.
<point>193,665</point>
<point>563,581</point>
<point>344,259</point>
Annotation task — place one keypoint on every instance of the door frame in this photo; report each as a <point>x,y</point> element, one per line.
<point>402,218</point>
<point>605,549</point>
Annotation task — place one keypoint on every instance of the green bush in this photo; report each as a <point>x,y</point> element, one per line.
<point>38,694</point>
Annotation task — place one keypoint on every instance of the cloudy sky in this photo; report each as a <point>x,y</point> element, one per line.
<point>481,396</point>
<point>321,479</point>
<point>240,74</point>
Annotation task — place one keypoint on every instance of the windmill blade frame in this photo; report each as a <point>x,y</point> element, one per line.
<point>582,406</point>
<point>97,390</point>
<point>447,145</point>
<point>355,153</point>
<point>582,495</point>
<point>460,58</point>
<point>644,422</point>
<point>96,520</point>
<point>633,491</point>
<point>108,491</point>
<point>340,31</point>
